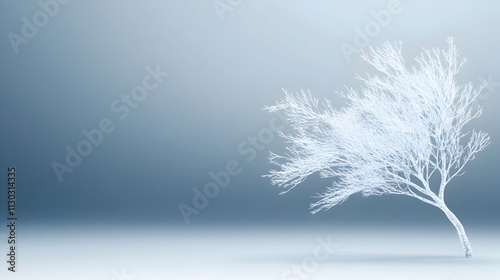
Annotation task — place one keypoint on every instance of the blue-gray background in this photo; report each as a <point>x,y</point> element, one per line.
<point>222,73</point>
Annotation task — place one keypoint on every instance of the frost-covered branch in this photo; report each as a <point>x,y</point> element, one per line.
<point>399,129</point>
<point>403,127</point>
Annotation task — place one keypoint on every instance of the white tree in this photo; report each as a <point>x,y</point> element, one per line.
<point>398,131</point>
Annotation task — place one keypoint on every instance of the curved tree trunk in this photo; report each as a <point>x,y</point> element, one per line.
<point>460,229</point>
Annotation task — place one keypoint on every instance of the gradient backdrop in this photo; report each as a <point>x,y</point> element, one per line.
<point>226,60</point>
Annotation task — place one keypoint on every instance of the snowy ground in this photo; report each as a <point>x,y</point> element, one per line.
<point>147,253</point>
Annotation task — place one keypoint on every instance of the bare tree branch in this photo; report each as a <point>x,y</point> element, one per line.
<point>398,130</point>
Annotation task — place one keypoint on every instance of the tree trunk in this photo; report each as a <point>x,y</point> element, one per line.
<point>460,229</point>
